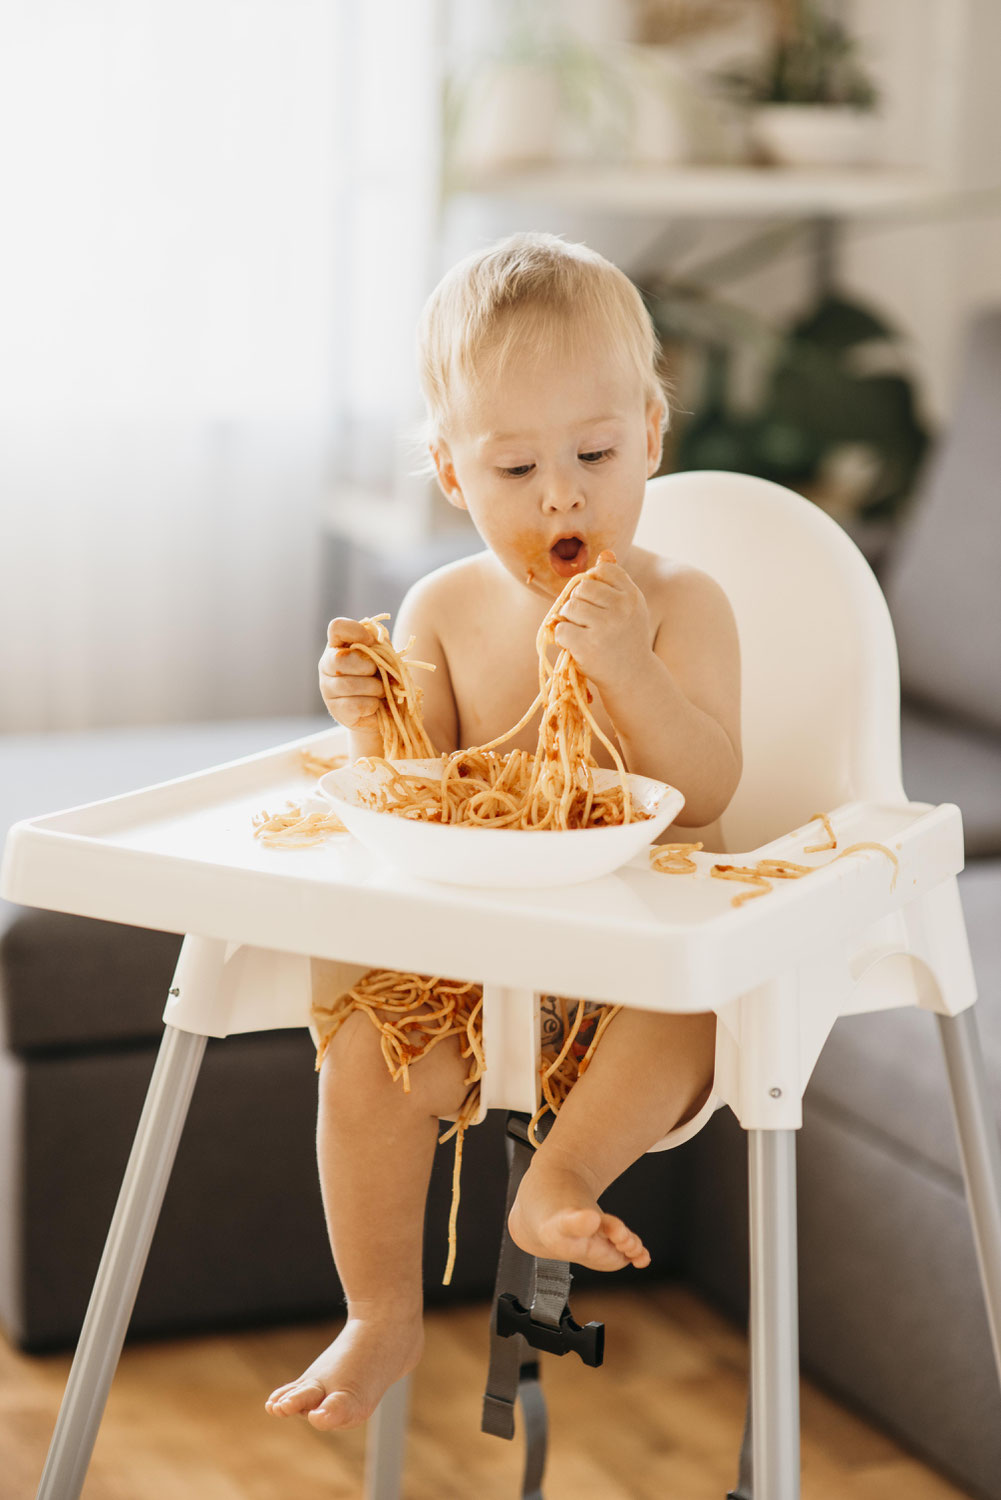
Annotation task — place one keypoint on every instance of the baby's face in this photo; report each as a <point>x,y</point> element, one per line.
<point>551,460</point>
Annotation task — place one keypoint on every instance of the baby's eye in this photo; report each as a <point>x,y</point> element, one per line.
<point>597,456</point>
<point>518,472</point>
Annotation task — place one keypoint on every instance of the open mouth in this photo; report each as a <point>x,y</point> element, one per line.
<point>568,555</point>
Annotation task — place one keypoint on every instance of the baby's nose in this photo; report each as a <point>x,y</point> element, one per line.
<point>560,496</point>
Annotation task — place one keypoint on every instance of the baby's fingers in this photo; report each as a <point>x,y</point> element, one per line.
<point>342,632</point>
<point>351,699</point>
<point>339,661</point>
<point>336,688</point>
<point>352,711</point>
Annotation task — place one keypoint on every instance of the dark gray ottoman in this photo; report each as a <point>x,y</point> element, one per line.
<point>892,1316</point>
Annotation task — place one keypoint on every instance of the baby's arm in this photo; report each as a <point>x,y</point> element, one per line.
<point>421,615</point>
<point>350,686</point>
<point>352,689</point>
<point>675,705</point>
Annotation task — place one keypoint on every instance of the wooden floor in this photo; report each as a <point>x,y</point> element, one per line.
<point>661,1420</point>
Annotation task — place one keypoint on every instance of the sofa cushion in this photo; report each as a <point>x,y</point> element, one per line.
<point>885,1073</point>
<point>948,761</point>
<point>942,582</point>
<point>71,981</point>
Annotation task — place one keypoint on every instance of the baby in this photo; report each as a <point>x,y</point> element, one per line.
<point>538,364</point>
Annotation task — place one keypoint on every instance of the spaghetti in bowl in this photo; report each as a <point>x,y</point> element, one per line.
<point>501,858</point>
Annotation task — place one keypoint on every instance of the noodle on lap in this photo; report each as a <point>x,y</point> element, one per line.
<point>552,789</point>
<point>414,1012</point>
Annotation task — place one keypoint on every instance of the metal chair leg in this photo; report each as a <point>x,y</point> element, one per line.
<point>744,1489</point>
<point>978,1144</point>
<point>774,1314</point>
<point>386,1444</point>
<point>121,1268</point>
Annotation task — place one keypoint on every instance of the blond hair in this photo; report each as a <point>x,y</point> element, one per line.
<point>533,288</point>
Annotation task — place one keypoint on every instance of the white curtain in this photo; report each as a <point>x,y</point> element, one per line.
<point>199,305</point>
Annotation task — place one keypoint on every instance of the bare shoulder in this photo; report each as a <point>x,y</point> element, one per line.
<point>439,597</point>
<point>695,635</point>
<point>676,591</point>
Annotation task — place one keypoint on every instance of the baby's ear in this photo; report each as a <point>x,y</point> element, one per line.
<point>654,437</point>
<point>445,470</point>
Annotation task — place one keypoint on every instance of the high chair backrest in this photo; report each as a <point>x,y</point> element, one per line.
<point>820,682</point>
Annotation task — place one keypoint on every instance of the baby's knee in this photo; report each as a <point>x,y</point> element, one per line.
<point>366,1057</point>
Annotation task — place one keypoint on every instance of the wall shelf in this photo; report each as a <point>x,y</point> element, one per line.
<point>740,192</point>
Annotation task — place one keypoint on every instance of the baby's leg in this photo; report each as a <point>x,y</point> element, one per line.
<point>375,1146</point>
<point>649,1073</point>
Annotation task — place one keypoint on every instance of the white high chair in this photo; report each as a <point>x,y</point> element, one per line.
<point>821,733</point>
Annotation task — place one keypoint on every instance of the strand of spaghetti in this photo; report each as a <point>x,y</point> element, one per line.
<point>556,1085</point>
<point>616,757</point>
<point>599,1031</point>
<point>674,859</point>
<point>295,828</point>
<point>782,869</point>
<point>319,765</point>
<point>743,873</point>
<point>461,1124</point>
<point>560,785</point>
<point>399,712</point>
<point>880,849</point>
<point>819,848</point>
<point>571,1037</point>
<point>509,734</point>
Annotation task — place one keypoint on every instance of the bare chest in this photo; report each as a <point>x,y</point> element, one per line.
<point>495,677</point>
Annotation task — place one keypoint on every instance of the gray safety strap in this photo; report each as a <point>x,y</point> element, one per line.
<point>552,1291</point>
<point>533,1416</point>
<point>515,1273</point>
<point>745,1471</point>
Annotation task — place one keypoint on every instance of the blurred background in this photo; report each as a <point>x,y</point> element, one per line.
<point>222,219</point>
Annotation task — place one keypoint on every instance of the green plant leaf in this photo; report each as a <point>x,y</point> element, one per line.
<point>835,323</point>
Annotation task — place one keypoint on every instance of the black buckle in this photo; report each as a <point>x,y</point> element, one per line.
<point>569,1338</point>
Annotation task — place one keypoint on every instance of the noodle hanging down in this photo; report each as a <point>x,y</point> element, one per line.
<point>399,721</point>
<point>552,789</point>
<point>414,1012</point>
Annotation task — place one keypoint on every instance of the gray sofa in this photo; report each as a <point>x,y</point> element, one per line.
<point>892,1317</point>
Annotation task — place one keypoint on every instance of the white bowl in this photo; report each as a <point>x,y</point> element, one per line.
<point>455,854</point>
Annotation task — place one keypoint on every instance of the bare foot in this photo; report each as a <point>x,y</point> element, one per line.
<point>344,1385</point>
<point>556,1215</point>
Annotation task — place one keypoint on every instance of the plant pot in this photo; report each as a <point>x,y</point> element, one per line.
<point>815,135</point>
<point>670,121</point>
<point>510,118</point>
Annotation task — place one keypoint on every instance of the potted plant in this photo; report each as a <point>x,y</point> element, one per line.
<point>835,413</point>
<point>814,101</point>
<point>539,96</point>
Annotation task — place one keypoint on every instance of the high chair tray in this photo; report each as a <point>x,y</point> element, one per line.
<point>182,857</point>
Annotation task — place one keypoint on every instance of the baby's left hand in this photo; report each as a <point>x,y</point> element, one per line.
<point>605,626</point>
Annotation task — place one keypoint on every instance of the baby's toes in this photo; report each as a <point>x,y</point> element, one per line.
<point>301,1395</point>
<point>340,1409</point>
<point>625,1240</point>
<point>277,1394</point>
<point>615,1230</point>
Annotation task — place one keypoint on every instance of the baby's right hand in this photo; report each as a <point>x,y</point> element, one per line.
<point>349,683</point>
